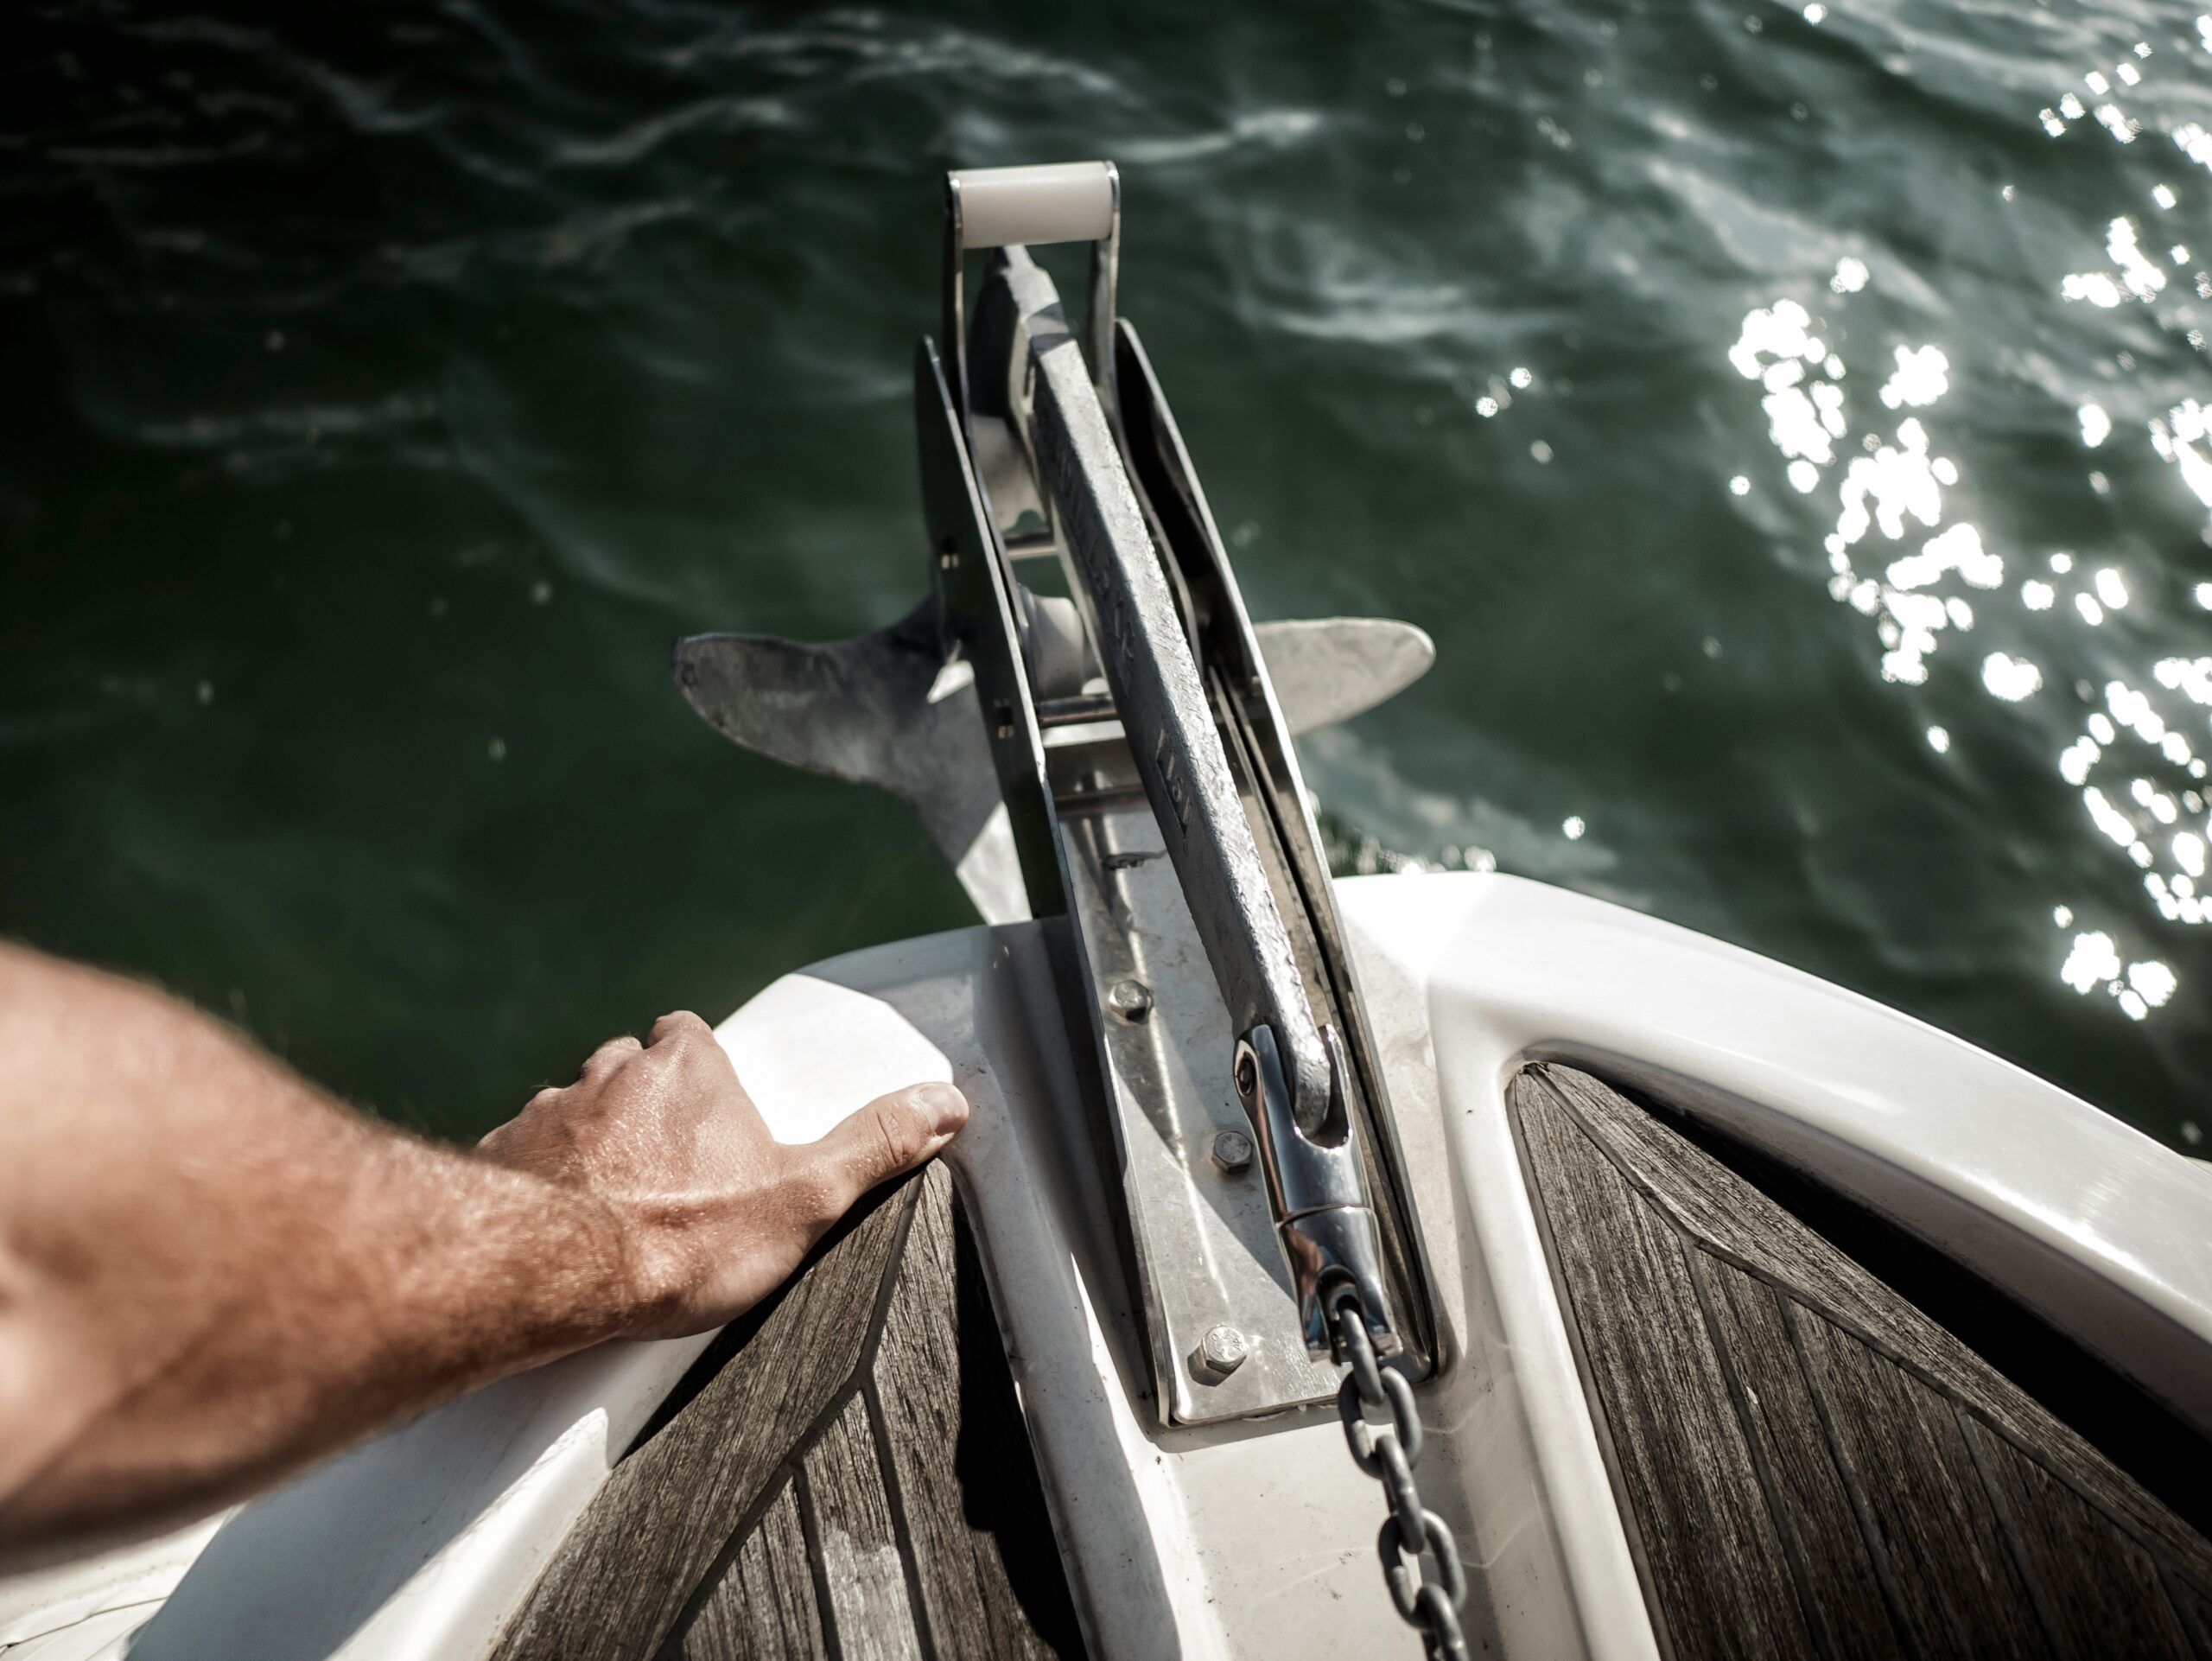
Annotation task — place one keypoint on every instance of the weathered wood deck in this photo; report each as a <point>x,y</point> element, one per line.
<point>1808,1466</point>
<point>844,1475</point>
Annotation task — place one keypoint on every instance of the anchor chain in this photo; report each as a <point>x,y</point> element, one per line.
<point>1389,1454</point>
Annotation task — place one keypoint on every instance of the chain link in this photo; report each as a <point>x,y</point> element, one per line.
<point>1387,1452</point>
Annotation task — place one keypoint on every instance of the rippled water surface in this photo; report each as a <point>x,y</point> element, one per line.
<point>1790,422</point>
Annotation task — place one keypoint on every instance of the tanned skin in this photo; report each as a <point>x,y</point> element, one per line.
<point>212,1274</point>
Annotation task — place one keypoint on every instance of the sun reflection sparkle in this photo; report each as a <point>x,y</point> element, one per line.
<point>1918,573</point>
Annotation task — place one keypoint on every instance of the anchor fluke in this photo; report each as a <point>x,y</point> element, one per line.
<point>882,709</point>
<point>888,709</point>
<point>1329,669</point>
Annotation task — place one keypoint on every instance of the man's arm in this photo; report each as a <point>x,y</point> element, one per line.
<point>211,1274</point>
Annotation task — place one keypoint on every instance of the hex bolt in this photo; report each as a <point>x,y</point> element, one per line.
<point>1232,1151</point>
<point>1130,999</point>
<point>1223,1350</point>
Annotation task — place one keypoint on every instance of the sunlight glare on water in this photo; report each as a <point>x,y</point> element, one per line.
<point>2133,763</point>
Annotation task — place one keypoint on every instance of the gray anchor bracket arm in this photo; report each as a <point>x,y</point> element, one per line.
<point>1298,1099</point>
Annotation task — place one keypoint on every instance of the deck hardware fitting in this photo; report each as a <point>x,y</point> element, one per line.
<point>1232,1152</point>
<point>1222,1351</point>
<point>1130,999</point>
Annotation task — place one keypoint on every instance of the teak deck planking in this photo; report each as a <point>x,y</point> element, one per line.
<point>1808,1465</point>
<point>846,1474</point>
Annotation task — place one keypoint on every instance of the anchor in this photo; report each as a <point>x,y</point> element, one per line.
<point>1096,734</point>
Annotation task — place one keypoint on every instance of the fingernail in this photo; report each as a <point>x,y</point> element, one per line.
<point>946,1106</point>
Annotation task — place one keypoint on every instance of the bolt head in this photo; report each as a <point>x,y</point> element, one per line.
<point>1223,1349</point>
<point>1130,999</point>
<point>1232,1150</point>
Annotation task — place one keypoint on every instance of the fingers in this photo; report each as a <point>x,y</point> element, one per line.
<point>610,1055</point>
<point>889,1136</point>
<point>676,1030</point>
<point>679,1024</point>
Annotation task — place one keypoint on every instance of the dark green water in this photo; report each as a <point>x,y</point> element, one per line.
<point>387,386</point>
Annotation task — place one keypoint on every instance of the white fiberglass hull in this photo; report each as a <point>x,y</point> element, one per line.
<point>1251,1539</point>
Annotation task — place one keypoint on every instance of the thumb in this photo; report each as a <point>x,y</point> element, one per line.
<point>889,1136</point>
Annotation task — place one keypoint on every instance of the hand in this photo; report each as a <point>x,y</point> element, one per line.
<point>713,1211</point>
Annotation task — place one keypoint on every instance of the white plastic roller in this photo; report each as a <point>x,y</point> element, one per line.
<point>1067,201</point>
